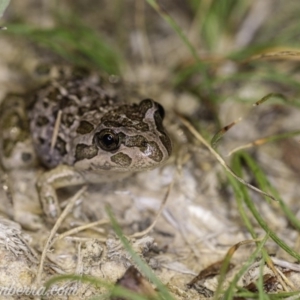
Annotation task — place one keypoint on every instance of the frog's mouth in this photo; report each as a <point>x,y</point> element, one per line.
<point>101,176</point>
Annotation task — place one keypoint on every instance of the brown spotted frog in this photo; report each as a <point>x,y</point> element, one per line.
<point>81,134</point>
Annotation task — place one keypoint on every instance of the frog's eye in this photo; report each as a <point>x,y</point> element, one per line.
<point>107,140</point>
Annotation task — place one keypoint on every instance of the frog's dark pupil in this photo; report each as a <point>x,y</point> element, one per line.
<point>108,139</point>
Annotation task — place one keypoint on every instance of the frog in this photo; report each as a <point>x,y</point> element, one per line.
<point>80,133</point>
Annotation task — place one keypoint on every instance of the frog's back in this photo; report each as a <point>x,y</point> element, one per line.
<point>62,111</point>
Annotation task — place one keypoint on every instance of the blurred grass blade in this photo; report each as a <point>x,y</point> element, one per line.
<point>94,281</point>
<point>288,53</point>
<point>226,263</point>
<point>260,284</point>
<point>237,167</point>
<point>144,268</point>
<point>229,293</point>
<point>264,183</point>
<point>200,138</point>
<point>270,96</point>
<point>265,140</point>
<point>201,65</point>
<point>76,43</point>
<point>216,138</point>
<point>176,28</point>
<point>3,6</point>
<point>82,278</point>
<point>241,197</point>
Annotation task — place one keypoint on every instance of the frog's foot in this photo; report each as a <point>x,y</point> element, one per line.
<point>61,176</point>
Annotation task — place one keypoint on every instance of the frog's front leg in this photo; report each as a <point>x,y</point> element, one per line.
<point>61,176</point>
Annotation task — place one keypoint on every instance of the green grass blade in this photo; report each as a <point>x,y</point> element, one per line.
<point>260,284</point>
<point>237,159</point>
<point>77,44</point>
<point>206,81</point>
<point>3,6</point>
<point>265,184</point>
<point>97,282</point>
<point>229,293</point>
<point>176,28</point>
<point>239,196</point>
<point>164,293</point>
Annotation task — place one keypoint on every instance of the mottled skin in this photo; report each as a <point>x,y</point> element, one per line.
<point>97,138</point>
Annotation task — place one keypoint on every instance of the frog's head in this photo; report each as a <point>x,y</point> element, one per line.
<point>129,138</point>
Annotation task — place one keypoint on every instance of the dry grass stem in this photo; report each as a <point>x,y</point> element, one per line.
<point>249,145</point>
<point>199,137</point>
<point>277,54</point>
<point>278,274</point>
<point>54,229</point>
<point>284,280</point>
<point>78,229</point>
<point>55,131</point>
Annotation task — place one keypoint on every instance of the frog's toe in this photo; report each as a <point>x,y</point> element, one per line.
<point>49,201</point>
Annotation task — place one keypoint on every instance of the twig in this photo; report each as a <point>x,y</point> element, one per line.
<point>55,130</point>
<point>78,229</point>
<point>163,204</point>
